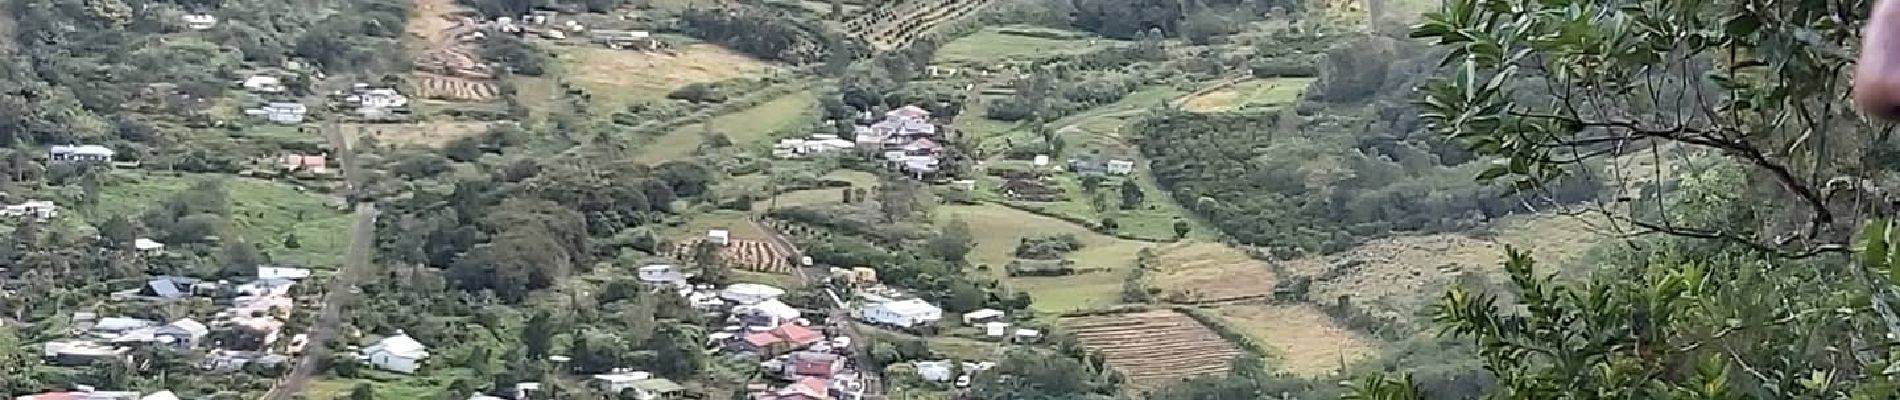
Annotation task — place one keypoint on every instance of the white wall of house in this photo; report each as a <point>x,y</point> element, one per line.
<point>392,362</point>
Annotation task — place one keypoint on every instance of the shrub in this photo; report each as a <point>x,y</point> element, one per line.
<point>699,92</point>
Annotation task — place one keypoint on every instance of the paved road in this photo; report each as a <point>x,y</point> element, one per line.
<point>342,288</point>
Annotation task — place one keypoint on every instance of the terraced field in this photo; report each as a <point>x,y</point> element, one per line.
<point>750,255</point>
<point>1154,348</point>
<point>897,26</point>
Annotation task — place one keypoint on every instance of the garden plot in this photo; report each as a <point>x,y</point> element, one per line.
<point>1154,348</point>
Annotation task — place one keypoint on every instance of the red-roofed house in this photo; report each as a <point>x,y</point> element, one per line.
<point>813,364</point>
<point>803,389</point>
<point>783,338</point>
<point>908,112</point>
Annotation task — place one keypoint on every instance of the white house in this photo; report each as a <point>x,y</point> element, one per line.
<point>995,329</point>
<point>816,144</point>
<point>1120,167</point>
<point>643,385</point>
<point>88,152</point>
<point>285,112</point>
<point>148,246</point>
<point>184,333</point>
<point>719,236</point>
<point>619,380</point>
<point>286,273</point>
<point>263,84</point>
<point>903,313</point>
<point>750,293</point>
<point>662,274</point>
<point>982,315</point>
<point>773,311</point>
<point>396,353</point>
<point>39,209</point>
<point>114,326</point>
<point>199,22</point>
<point>80,352</point>
<point>383,98</point>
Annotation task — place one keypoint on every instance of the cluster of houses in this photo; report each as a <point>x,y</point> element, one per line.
<point>244,333</point>
<point>541,23</point>
<point>807,363</point>
<point>905,139</point>
<point>282,112</point>
<point>89,394</point>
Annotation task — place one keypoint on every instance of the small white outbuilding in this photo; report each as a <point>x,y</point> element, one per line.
<point>903,313</point>
<point>750,293</point>
<point>396,353</point>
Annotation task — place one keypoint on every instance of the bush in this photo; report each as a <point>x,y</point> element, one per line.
<point>1047,247</point>
<point>699,92</point>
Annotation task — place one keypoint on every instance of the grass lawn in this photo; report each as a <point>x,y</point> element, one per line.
<point>1197,270</point>
<point>734,221</point>
<point>283,135</point>
<point>1250,94</point>
<point>387,386</point>
<point>766,278</point>
<point>1303,340</point>
<point>745,126</point>
<point>995,44</point>
<point>262,212</point>
<point>858,179</point>
<point>997,230</point>
<point>1098,133</point>
<point>541,95</point>
<point>616,77</point>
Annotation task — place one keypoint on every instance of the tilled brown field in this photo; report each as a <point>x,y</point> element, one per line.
<point>750,255</point>
<point>1154,348</point>
<point>438,87</point>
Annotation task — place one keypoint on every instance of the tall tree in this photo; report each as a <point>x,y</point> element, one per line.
<point>1131,194</point>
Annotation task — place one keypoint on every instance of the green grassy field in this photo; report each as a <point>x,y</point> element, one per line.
<point>619,77</point>
<point>1250,94</point>
<point>858,179</point>
<point>997,230</point>
<point>1098,133</point>
<point>749,125</point>
<point>995,44</point>
<point>386,386</point>
<point>262,212</point>
<point>733,221</point>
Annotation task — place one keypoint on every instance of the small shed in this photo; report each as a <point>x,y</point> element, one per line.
<point>995,329</point>
<point>935,371</point>
<point>982,315</point>
<point>719,236</point>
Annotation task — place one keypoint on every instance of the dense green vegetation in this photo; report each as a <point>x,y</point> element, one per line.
<point>131,75</point>
<point>1351,162</point>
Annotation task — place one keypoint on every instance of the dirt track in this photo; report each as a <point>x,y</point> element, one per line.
<point>341,290</point>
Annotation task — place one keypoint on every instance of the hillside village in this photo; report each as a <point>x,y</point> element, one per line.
<point>912,199</point>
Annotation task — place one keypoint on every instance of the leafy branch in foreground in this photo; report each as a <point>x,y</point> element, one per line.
<point>1726,327</point>
<point>1589,89</point>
